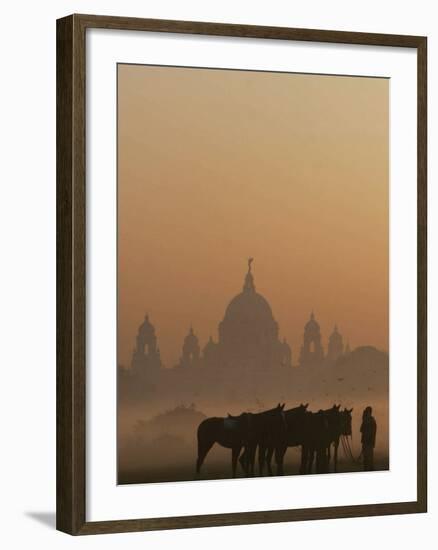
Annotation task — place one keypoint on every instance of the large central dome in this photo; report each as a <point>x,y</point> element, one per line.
<point>248,306</point>
<point>248,334</point>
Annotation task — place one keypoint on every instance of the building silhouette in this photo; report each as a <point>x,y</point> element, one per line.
<point>312,352</point>
<point>146,355</point>
<point>335,345</point>
<point>248,334</point>
<point>248,341</point>
<point>191,351</point>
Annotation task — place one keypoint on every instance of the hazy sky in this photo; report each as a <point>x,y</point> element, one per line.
<point>215,166</point>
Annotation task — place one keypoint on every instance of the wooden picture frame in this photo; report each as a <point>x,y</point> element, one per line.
<point>71,272</point>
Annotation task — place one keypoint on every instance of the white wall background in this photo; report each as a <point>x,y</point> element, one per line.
<point>27,274</point>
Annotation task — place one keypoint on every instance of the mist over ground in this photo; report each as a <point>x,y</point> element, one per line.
<point>157,426</point>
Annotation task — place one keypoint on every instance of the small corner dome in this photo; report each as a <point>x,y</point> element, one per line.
<point>312,323</point>
<point>191,336</point>
<point>335,335</point>
<point>211,344</point>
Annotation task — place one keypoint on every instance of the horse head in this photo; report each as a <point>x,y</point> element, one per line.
<point>297,410</point>
<point>346,421</point>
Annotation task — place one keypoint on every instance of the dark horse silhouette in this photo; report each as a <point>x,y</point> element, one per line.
<point>231,432</point>
<point>320,431</point>
<point>292,437</point>
<point>267,428</point>
<point>339,424</point>
<point>315,441</point>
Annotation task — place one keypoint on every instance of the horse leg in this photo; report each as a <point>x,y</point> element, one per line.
<point>262,452</point>
<point>310,460</point>
<point>321,460</point>
<point>244,460</point>
<point>328,456</point>
<point>247,460</point>
<point>203,448</point>
<point>251,459</point>
<point>335,457</point>
<point>279,459</point>
<point>269,454</point>
<point>324,463</point>
<point>304,454</point>
<point>234,456</point>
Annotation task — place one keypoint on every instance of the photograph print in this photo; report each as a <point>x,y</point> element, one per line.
<point>253,274</point>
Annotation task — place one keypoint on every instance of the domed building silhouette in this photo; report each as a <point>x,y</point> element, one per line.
<point>335,345</point>
<point>146,355</point>
<point>191,351</point>
<point>247,358</point>
<point>286,355</point>
<point>248,334</point>
<point>312,352</point>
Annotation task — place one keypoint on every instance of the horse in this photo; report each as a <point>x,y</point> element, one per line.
<point>339,424</point>
<point>267,427</point>
<point>315,441</point>
<point>321,432</point>
<point>231,432</point>
<point>293,436</point>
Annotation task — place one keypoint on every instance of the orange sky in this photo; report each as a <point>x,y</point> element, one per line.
<point>215,166</point>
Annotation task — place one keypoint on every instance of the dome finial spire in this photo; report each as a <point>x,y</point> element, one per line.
<point>249,279</point>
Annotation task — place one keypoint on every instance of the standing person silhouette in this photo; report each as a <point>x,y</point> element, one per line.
<point>368,430</point>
